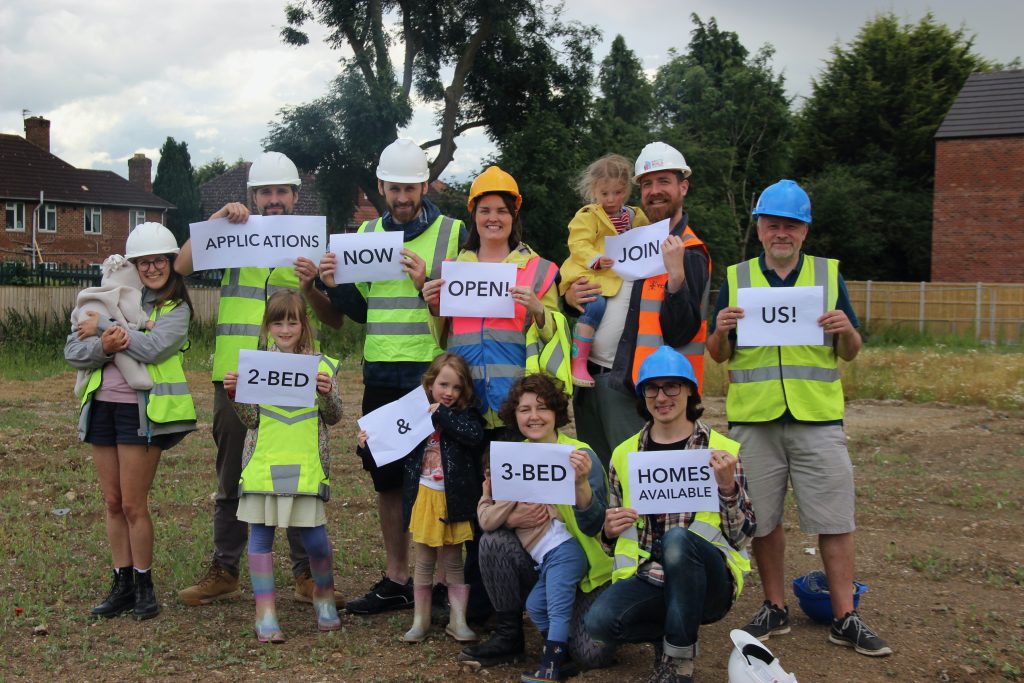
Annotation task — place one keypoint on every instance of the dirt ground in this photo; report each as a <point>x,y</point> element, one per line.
<point>940,545</point>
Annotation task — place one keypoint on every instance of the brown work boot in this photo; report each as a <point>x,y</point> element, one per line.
<point>304,586</point>
<point>217,584</point>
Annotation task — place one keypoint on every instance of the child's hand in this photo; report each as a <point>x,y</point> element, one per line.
<point>604,263</point>
<point>433,408</point>
<point>150,324</point>
<point>487,485</point>
<point>581,464</point>
<point>230,382</point>
<point>324,383</point>
<point>363,436</point>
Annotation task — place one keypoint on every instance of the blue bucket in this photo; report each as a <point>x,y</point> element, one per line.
<point>817,604</point>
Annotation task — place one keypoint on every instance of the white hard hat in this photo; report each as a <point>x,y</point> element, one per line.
<point>148,239</point>
<point>403,162</point>
<point>752,662</point>
<point>273,168</point>
<point>657,156</point>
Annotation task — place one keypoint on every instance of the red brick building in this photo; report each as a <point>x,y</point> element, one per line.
<point>978,210</point>
<point>77,216</point>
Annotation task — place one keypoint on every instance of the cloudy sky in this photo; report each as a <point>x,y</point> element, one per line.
<point>117,77</point>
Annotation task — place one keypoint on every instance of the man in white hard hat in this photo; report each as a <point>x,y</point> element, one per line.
<point>399,343</point>
<point>646,314</point>
<point>273,186</point>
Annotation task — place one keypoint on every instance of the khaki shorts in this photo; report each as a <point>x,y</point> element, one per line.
<point>814,458</point>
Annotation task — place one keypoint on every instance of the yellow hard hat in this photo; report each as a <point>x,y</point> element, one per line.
<point>493,180</point>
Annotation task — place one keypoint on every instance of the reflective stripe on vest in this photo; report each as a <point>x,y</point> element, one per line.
<point>286,460</point>
<point>649,337</point>
<point>554,358</point>
<point>707,525</point>
<point>765,381</point>
<point>397,327</point>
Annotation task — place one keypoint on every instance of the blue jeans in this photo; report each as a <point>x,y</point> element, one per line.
<point>593,312</point>
<point>551,601</point>
<point>697,590</point>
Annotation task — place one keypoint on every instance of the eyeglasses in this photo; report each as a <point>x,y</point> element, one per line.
<point>160,262</point>
<point>670,389</point>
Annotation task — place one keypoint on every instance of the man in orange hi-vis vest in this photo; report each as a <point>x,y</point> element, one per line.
<point>667,309</point>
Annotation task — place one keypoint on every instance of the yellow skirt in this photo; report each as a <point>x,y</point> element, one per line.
<point>426,525</point>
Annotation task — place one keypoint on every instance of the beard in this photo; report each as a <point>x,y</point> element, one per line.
<point>265,211</point>
<point>404,212</point>
<point>662,211</point>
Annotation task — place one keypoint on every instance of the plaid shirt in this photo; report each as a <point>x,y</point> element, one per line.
<point>737,513</point>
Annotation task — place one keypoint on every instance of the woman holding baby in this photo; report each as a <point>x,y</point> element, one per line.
<point>134,397</point>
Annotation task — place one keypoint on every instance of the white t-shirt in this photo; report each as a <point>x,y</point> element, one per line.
<point>606,338</point>
<point>555,536</point>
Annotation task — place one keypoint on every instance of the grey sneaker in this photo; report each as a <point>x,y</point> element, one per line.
<point>769,621</point>
<point>851,631</point>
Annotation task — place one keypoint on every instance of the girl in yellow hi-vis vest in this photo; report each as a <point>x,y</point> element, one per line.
<point>285,471</point>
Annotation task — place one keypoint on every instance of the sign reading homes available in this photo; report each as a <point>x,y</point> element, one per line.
<point>393,430</point>
<point>277,379</point>
<point>532,473</point>
<point>367,256</point>
<point>664,482</point>
<point>780,316</point>
<point>260,242</point>
<point>637,252</point>
<point>477,290</point>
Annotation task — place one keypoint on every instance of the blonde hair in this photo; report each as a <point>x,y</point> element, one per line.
<point>287,304</point>
<point>609,168</point>
<point>461,368</point>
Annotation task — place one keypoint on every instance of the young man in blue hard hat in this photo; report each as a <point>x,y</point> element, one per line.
<point>785,406</point>
<point>673,572</point>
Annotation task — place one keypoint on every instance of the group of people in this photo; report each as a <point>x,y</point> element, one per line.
<point>589,575</point>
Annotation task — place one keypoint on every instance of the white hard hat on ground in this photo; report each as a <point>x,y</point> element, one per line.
<point>752,662</point>
<point>403,162</point>
<point>273,168</point>
<point>148,239</point>
<point>657,156</point>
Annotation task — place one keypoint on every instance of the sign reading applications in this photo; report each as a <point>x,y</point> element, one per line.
<point>278,379</point>
<point>665,482</point>
<point>260,242</point>
<point>367,256</point>
<point>780,316</point>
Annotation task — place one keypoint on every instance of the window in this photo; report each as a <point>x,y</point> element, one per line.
<point>16,216</point>
<point>49,218</point>
<point>93,220</point>
<point>136,217</point>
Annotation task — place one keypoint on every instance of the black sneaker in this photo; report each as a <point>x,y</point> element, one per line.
<point>851,631</point>
<point>385,595</point>
<point>769,621</point>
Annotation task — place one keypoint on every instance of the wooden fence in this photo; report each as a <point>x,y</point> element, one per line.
<point>60,300</point>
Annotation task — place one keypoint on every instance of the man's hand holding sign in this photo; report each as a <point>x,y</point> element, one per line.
<point>782,317</point>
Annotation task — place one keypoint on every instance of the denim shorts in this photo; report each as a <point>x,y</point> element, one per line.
<point>111,424</point>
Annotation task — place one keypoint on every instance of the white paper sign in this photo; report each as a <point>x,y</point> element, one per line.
<point>532,473</point>
<point>637,252</point>
<point>780,316</point>
<point>395,429</point>
<point>663,482</point>
<point>367,256</point>
<point>277,379</point>
<point>478,290</point>
<point>260,242</point>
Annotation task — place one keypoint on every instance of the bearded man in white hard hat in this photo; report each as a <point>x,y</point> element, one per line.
<point>665,309</point>
<point>399,343</point>
<point>273,187</point>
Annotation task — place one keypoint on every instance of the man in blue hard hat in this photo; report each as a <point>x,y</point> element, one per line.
<point>785,406</point>
<point>673,572</point>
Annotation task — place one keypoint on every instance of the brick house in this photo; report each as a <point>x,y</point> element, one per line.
<point>978,209</point>
<point>85,216</point>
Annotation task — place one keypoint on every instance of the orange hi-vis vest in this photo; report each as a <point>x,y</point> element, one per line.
<point>649,337</point>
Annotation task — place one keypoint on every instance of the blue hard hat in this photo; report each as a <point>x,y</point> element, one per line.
<point>785,198</point>
<point>665,362</point>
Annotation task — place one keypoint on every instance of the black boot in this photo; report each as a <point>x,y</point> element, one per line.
<point>121,598</point>
<point>505,645</point>
<point>146,606</point>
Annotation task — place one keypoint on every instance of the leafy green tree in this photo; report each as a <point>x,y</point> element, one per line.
<point>175,182</point>
<point>622,114</point>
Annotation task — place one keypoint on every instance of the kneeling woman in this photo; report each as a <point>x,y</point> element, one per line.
<point>129,429</point>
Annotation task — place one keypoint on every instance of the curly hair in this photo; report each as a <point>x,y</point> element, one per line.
<point>607,169</point>
<point>548,391</point>
<point>461,368</point>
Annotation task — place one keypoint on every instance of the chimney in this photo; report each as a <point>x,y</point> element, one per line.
<point>37,131</point>
<point>140,171</point>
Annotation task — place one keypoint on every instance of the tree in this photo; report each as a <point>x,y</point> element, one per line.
<point>175,182</point>
<point>622,114</point>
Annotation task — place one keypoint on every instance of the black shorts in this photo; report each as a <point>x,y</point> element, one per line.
<point>388,477</point>
<point>111,424</point>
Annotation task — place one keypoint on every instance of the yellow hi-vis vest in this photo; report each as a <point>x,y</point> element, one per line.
<point>243,299</point>
<point>169,400</point>
<point>707,525</point>
<point>286,460</point>
<point>397,317</point>
<point>766,380</point>
<point>553,358</point>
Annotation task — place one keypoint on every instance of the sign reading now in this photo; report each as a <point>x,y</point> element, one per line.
<point>367,256</point>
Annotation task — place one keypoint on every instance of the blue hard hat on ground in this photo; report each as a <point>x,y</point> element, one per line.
<point>785,198</point>
<point>665,362</point>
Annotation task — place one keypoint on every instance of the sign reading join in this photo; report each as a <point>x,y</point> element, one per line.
<point>664,482</point>
<point>532,473</point>
<point>278,379</point>
<point>780,316</point>
<point>367,256</point>
<point>637,252</point>
<point>393,430</point>
<point>478,290</point>
<point>260,242</point>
